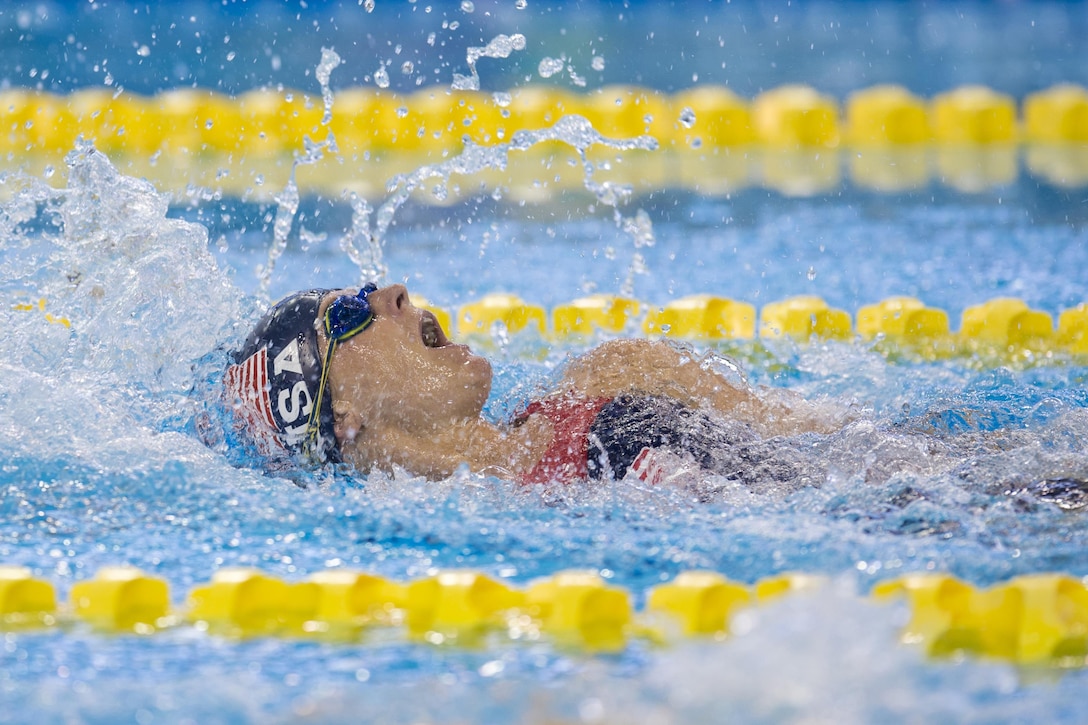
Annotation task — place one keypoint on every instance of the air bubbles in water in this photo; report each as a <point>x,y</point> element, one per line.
<point>521,4</point>
<point>467,6</point>
<point>368,5</point>
<point>597,63</point>
<point>687,117</point>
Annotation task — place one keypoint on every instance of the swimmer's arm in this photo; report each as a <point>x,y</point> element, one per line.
<point>657,368</point>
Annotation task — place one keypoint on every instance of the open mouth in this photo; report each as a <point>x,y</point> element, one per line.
<point>431,332</point>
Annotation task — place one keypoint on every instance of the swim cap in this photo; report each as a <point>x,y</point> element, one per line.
<point>274,381</point>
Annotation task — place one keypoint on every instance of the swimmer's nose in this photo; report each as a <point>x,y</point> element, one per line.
<point>390,301</point>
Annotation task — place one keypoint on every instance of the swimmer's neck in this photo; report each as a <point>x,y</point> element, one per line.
<point>482,446</point>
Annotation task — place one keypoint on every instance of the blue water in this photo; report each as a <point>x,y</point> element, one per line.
<point>101,464</point>
<point>1014,47</point>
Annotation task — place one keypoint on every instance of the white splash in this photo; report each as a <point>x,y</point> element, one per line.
<point>573,130</point>
<point>131,302</point>
<point>287,200</point>
<point>501,46</point>
<point>364,242</point>
<point>329,61</point>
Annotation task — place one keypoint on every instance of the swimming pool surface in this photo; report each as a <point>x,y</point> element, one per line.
<point>101,464</point>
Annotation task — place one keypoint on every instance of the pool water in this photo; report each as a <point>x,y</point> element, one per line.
<point>102,463</point>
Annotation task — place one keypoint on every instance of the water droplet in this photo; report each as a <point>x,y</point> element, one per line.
<point>502,100</point>
<point>368,5</point>
<point>465,83</point>
<point>381,77</point>
<point>811,273</point>
<point>687,117</point>
<point>402,111</point>
<point>549,67</point>
<point>230,56</point>
<point>407,68</point>
<point>597,64</point>
<point>467,6</point>
<point>143,51</point>
<point>521,4</point>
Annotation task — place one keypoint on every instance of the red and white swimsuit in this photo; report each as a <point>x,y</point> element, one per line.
<point>567,456</point>
<point>654,438</point>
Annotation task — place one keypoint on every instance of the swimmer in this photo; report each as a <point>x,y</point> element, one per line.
<point>366,378</point>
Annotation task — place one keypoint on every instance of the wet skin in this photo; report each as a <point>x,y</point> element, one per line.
<point>404,395</point>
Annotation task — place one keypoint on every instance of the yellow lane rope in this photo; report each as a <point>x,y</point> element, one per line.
<point>1004,328</point>
<point>789,138</point>
<point>1036,619</point>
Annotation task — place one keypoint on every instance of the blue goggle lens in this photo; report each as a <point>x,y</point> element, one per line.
<point>349,315</point>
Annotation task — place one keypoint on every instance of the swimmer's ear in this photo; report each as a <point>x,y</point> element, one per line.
<point>347,424</point>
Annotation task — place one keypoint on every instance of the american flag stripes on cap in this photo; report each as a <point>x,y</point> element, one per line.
<point>272,386</point>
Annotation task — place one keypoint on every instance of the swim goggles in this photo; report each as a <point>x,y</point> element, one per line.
<point>346,317</point>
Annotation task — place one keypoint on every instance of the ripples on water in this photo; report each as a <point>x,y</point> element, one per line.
<point>950,467</point>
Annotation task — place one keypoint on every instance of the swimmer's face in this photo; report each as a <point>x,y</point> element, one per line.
<point>401,371</point>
